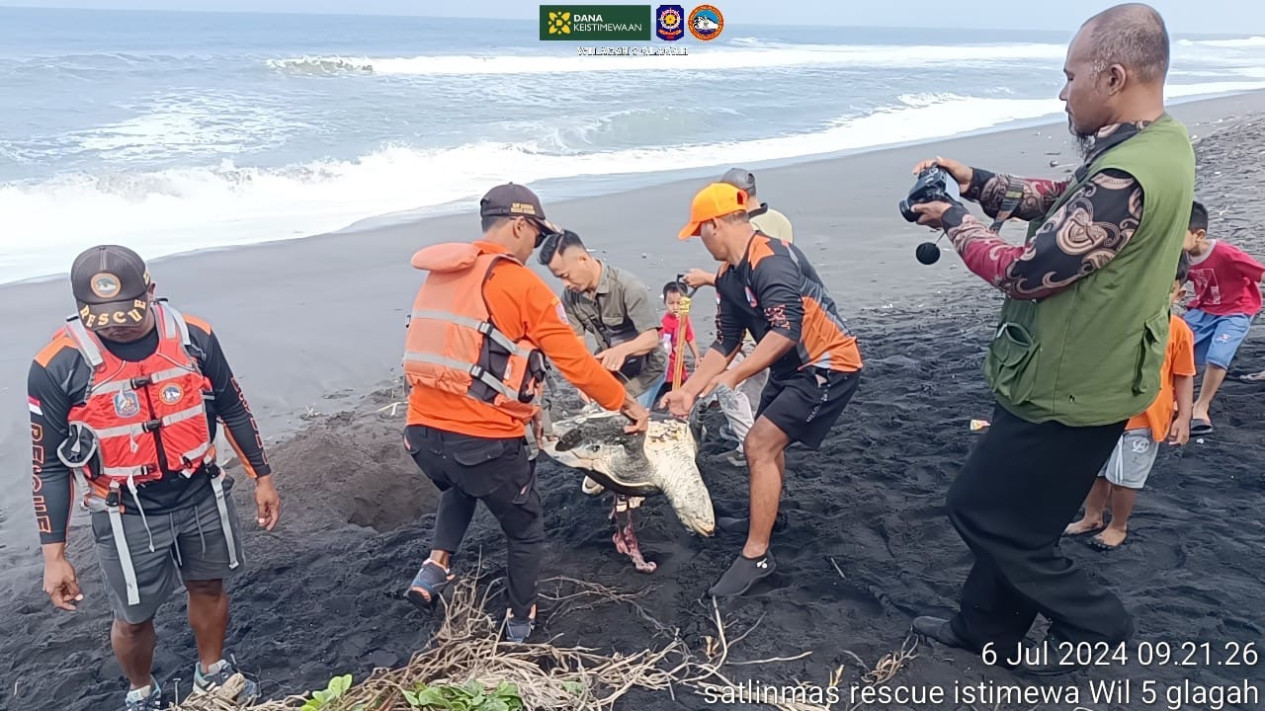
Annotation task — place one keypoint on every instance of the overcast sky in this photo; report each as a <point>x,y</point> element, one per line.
<point>1182,16</point>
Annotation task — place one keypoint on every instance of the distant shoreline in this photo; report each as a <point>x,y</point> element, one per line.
<point>587,187</point>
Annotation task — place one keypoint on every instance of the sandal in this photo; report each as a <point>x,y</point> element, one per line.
<point>1097,544</point>
<point>1200,427</point>
<point>428,584</point>
<point>517,630</point>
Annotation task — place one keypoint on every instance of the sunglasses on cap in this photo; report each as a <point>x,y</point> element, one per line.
<point>543,231</point>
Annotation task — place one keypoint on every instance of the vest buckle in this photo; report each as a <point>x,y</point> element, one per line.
<point>140,382</point>
<point>151,425</point>
<point>112,498</point>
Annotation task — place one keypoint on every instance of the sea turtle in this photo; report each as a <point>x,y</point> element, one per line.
<point>660,461</point>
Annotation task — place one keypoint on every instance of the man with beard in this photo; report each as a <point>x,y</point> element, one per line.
<point>1080,341</point>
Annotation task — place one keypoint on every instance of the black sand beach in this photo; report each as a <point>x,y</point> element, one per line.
<point>310,325</point>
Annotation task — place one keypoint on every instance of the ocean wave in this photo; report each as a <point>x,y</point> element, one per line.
<point>172,211</point>
<point>749,57</point>
<point>1237,42</point>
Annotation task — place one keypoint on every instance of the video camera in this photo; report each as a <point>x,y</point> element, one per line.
<point>934,184</point>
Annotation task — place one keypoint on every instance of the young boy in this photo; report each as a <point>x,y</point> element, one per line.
<point>672,293</point>
<point>1126,471</point>
<point>1227,298</point>
<point>735,404</point>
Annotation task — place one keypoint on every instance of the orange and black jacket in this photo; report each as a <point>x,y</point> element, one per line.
<point>774,288</point>
<point>57,381</point>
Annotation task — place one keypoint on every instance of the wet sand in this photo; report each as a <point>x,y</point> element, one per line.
<point>312,324</point>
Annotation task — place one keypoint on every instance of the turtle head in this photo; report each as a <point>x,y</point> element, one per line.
<point>594,443</point>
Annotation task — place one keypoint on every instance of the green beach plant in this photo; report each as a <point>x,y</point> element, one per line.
<point>334,691</point>
<point>472,696</point>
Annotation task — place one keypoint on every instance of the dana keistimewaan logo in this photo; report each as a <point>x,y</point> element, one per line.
<point>595,22</point>
<point>559,23</point>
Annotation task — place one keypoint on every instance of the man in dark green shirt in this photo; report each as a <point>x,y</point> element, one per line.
<point>1079,343</point>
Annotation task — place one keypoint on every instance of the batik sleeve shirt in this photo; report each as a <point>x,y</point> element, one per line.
<point>1079,238</point>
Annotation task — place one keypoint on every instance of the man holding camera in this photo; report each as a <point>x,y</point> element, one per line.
<point>1080,340</point>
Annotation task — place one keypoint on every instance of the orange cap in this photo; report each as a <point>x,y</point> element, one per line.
<point>711,202</point>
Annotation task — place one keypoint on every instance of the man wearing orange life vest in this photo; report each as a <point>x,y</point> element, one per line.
<point>125,398</point>
<point>481,326</point>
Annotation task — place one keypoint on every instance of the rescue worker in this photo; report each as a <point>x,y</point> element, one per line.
<point>768,288</point>
<point>481,326</point>
<point>613,306</point>
<point>125,397</point>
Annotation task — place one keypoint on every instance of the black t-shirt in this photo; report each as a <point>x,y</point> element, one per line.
<point>57,381</point>
<point>775,289</point>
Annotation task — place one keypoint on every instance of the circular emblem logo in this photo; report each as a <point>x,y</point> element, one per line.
<point>171,394</point>
<point>105,285</point>
<point>706,22</point>
<point>126,404</point>
<point>670,19</point>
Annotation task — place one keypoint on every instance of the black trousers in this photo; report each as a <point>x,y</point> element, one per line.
<point>498,473</point>
<point>1021,486</point>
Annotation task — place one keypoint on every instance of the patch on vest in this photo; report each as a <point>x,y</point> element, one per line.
<point>562,313</point>
<point>171,394</point>
<point>126,404</point>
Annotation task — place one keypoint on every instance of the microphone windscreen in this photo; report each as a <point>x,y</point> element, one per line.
<point>928,253</point>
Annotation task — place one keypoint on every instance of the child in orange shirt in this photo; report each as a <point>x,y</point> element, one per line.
<point>672,292</point>
<point>1130,464</point>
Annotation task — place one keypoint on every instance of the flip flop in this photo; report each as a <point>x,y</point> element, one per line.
<point>1200,427</point>
<point>1097,544</point>
<point>428,584</point>
<point>1258,377</point>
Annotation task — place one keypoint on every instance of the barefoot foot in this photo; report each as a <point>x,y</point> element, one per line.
<point>1085,525</point>
<point>1109,539</point>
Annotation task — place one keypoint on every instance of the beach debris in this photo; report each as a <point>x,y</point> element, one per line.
<point>468,659</point>
<point>980,425</point>
<point>1054,163</point>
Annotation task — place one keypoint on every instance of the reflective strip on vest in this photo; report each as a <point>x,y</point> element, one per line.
<point>121,385</point>
<point>124,471</point>
<point>484,327</point>
<point>86,344</point>
<point>474,371</point>
<point>139,428</point>
<point>175,323</point>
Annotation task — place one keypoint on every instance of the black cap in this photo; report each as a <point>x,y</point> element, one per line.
<point>512,200</point>
<point>110,284</point>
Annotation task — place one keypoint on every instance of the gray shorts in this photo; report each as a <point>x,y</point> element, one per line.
<point>1131,461</point>
<point>189,544</point>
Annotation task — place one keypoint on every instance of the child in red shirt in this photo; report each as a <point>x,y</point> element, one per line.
<point>672,292</point>
<point>1167,419</point>
<point>1227,298</point>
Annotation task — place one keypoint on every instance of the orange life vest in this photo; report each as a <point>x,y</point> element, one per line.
<point>452,344</point>
<point>142,416</point>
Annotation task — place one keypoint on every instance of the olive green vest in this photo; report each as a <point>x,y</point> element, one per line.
<point>1091,354</point>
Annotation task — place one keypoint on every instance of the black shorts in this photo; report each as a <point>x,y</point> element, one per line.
<point>807,403</point>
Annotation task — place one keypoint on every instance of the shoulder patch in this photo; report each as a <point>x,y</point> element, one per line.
<point>761,248</point>
<point>198,323</point>
<point>59,343</point>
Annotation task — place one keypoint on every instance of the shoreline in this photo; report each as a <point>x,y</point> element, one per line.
<point>314,327</point>
<point>612,185</point>
<point>312,324</point>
